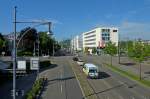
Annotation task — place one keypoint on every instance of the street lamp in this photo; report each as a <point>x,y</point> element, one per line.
<point>119,46</point>
<point>50,34</point>
<point>14,56</point>
<point>15,46</point>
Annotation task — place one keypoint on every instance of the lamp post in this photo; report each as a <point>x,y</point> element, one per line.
<point>50,34</point>
<point>14,56</point>
<point>53,49</point>
<point>15,46</point>
<point>119,48</point>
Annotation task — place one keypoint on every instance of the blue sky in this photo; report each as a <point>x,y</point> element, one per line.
<point>72,17</point>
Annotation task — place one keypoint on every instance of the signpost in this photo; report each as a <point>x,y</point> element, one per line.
<point>34,63</point>
<point>21,65</point>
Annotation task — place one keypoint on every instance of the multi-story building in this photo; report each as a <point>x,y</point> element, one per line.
<point>98,37</point>
<point>76,43</point>
<point>95,38</point>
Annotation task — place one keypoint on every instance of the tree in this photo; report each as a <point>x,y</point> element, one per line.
<point>86,50</point>
<point>3,44</point>
<point>28,38</point>
<point>65,43</point>
<point>139,52</point>
<point>110,49</point>
<point>47,44</point>
<point>94,50</point>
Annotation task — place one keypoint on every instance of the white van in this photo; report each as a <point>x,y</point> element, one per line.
<point>91,70</point>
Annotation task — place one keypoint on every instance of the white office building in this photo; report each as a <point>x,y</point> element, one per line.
<point>95,38</point>
<point>77,43</point>
<point>98,37</point>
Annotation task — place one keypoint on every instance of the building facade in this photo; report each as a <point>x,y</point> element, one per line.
<point>77,43</point>
<point>95,38</point>
<point>98,37</point>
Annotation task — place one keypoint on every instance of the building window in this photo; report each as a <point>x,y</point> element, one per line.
<point>115,30</point>
<point>89,32</point>
<point>90,43</point>
<point>90,36</point>
<point>105,30</point>
<point>90,40</point>
<point>105,36</point>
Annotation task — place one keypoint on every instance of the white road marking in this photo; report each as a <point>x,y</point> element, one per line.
<point>61,76</point>
<point>61,88</point>
<point>133,98</point>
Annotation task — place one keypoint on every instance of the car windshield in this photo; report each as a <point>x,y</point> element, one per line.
<point>92,71</point>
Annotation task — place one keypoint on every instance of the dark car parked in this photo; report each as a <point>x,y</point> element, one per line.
<point>75,58</point>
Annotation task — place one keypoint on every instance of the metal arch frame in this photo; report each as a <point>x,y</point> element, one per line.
<point>41,23</point>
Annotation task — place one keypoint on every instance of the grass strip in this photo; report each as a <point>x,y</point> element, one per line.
<point>36,88</point>
<point>129,75</point>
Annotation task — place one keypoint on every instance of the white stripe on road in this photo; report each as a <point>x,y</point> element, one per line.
<point>61,88</point>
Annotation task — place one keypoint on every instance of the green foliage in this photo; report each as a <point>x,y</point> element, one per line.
<point>25,53</point>
<point>45,64</point>
<point>35,89</point>
<point>47,44</point>
<point>44,39</point>
<point>65,43</point>
<point>94,50</point>
<point>29,41</point>
<point>125,46</point>
<point>110,49</point>
<point>146,50</point>
<point>86,50</point>
<point>1,43</point>
<point>28,38</point>
<point>139,51</point>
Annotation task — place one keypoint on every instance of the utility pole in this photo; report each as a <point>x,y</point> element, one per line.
<point>119,49</point>
<point>53,49</point>
<point>38,55</point>
<point>14,56</point>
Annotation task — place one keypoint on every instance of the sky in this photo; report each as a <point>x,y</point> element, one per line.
<point>72,17</point>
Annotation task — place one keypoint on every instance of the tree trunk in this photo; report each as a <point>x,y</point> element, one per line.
<point>140,71</point>
<point>111,61</point>
<point>119,58</point>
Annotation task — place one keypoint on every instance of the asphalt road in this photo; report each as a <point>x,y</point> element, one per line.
<point>62,83</point>
<point>114,86</point>
<point>22,83</point>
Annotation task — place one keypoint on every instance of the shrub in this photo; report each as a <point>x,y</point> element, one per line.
<point>35,89</point>
<point>24,53</point>
<point>45,64</point>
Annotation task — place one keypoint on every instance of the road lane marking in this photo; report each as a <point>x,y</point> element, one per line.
<point>61,76</point>
<point>133,97</point>
<point>83,94</point>
<point>61,88</point>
